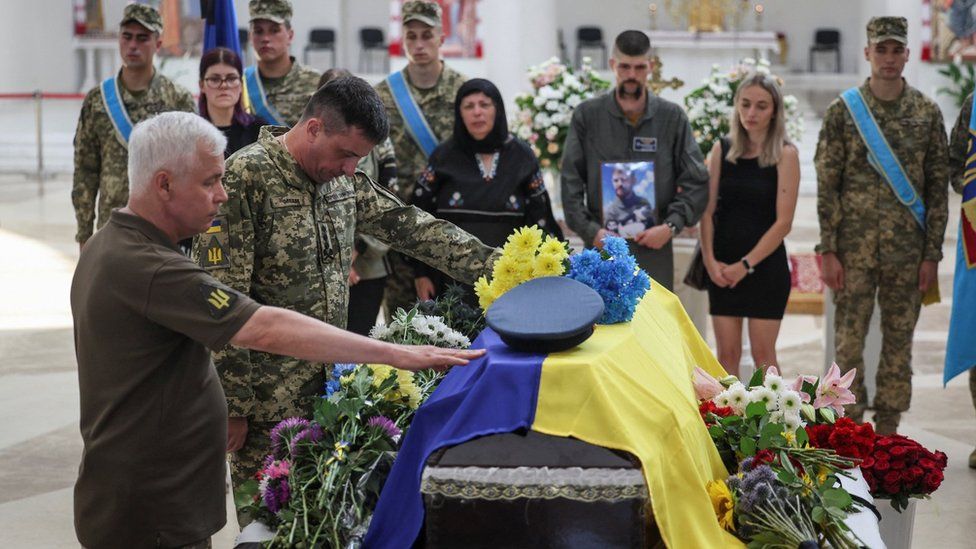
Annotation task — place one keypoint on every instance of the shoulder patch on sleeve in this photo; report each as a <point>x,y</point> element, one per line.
<point>215,245</point>
<point>219,300</point>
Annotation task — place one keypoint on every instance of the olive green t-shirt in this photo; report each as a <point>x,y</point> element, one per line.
<point>153,415</point>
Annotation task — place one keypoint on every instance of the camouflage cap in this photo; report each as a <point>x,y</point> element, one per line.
<point>888,28</point>
<point>278,11</point>
<point>428,13</point>
<point>145,15</point>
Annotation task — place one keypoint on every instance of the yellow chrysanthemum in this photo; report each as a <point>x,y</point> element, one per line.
<point>408,388</point>
<point>722,503</point>
<point>547,265</point>
<point>525,240</point>
<point>553,246</point>
<point>507,272</point>
<point>380,373</point>
<point>482,287</point>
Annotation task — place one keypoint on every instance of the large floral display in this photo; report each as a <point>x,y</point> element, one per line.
<point>709,106</point>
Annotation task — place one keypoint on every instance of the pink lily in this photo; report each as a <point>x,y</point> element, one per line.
<point>834,390</point>
<point>706,386</point>
<point>798,386</point>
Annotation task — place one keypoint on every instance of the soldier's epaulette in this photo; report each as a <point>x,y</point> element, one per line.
<point>380,189</point>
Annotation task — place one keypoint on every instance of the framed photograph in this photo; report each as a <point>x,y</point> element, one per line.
<point>629,203</point>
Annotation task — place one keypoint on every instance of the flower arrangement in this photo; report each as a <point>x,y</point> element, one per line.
<point>710,105</point>
<point>413,328</point>
<point>782,492</point>
<point>543,115</point>
<point>525,255</point>
<point>614,274</point>
<point>456,312</point>
<point>895,467</point>
<point>320,483</point>
<point>323,476</point>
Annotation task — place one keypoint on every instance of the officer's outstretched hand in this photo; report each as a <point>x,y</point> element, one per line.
<point>833,272</point>
<point>422,357</point>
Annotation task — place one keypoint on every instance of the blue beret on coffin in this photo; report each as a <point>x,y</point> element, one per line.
<point>546,315</point>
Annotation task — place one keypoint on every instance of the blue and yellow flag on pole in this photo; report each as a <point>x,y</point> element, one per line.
<point>961,347</point>
<point>221,26</point>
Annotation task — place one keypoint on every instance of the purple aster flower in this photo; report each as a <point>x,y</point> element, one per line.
<point>284,431</point>
<point>386,425</point>
<point>312,434</point>
<point>277,495</point>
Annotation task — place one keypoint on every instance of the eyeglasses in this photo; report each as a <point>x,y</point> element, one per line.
<point>214,82</point>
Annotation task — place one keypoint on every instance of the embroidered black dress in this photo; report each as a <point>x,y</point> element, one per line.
<point>489,204</point>
<point>746,210</point>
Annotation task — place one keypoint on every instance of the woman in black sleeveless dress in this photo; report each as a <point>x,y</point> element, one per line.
<point>753,184</point>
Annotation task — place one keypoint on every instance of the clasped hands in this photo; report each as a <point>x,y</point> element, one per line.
<point>725,275</point>
<point>655,238</point>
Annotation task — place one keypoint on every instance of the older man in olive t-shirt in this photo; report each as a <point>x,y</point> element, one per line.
<point>153,414</point>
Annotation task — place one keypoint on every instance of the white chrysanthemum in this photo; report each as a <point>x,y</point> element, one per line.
<point>524,132</point>
<point>765,395</point>
<point>738,397</point>
<point>380,331</point>
<point>774,383</point>
<point>263,486</point>
<point>552,132</point>
<point>790,402</point>
<point>792,421</point>
<point>539,101</point>
<point>722,399</point>
<point>573,101</point>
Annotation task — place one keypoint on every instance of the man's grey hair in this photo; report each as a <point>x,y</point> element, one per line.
<point>169,141</point>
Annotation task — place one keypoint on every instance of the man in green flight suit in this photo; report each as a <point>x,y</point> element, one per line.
<point>286,238</point>
<point>101,140</point>
<point>871,242</point>
<point>286,84</point>
<point>432,85</point>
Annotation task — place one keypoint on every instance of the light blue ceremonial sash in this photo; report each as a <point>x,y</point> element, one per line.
<point>259,102</point>
<point>880,155</point>
<point>112,99</point>
<point>410,111</point>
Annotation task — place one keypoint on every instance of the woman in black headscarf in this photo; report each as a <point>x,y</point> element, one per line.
<point>482,179</point>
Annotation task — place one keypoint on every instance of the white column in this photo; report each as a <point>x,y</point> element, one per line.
<point>516,34</point>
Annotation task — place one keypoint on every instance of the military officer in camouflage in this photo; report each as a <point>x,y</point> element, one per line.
<point>958,149</point>
<point>433,85</point>
<point>286,84</point>
<point>870,241</point>
<point>285,237</point>
<point>101,153</point>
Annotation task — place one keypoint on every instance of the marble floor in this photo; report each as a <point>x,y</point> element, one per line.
<point>40,445</point>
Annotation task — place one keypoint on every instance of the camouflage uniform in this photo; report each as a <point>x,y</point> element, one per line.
<point>875,237</point>
<point>101,158</point>
<point>958,150</point>
<point>290,93</point>
<point>437,104</point>
<point>287,242</point>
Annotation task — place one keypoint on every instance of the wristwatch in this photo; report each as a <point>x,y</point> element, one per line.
<point>749,268</point>
<point>673,227</point>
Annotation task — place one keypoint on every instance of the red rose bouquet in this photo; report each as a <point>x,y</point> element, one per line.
<point>894,466</point>
<point>900,468</point>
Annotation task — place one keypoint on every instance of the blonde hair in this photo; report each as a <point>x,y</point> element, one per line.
<point>772,148</point>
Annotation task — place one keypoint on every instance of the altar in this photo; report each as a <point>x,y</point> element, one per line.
<point>689,56</point>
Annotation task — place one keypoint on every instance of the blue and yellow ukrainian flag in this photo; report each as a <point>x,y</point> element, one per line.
<point>221,27</point>
<point>628,387</point>
<point>961,347</point>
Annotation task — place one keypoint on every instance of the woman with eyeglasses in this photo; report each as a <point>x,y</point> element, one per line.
<point>221,99</point>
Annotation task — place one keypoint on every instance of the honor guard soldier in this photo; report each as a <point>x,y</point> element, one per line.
<point>108,114</point>
<point>278,87</point>
<point>419,102</point>
<point>882,177</point>
<point>286,238</point>
<point>963,179</point>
